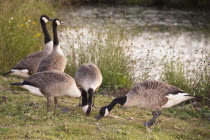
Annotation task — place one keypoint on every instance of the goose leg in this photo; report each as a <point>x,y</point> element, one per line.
<point>155,114</point>
<point>94,96</point>
<point>90,102</point>
<point>56,102</point>
<point>48,103</point>
<point>94,101</point>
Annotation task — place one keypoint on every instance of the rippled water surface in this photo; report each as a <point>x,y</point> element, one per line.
<point>154,36</point>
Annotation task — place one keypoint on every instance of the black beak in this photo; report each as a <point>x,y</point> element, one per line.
<point>99,117</point>
<point>7,73</point>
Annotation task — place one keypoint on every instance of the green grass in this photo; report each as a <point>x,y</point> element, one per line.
<point>20,30</point>
<point>176,74</point>
<point>24,116</point>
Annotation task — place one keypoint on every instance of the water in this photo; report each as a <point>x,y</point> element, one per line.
<point>154,36</point>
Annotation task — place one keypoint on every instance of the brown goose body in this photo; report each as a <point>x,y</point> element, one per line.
<point>54,61</point>
<point>30,64</point>
<point>51,83</point>
<point>150,94</point>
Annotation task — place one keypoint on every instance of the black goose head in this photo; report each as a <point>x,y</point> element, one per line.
<point>57,22</point>
<point>45,19</point>
<point>104,111</point>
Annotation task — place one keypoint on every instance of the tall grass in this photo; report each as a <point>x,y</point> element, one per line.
<point>108,53</point>
<point>20,31</point>
<point>198,83</point>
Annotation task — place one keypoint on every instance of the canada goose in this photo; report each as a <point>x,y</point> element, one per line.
<point>30,64</point>
<point>153,95</point>
<point>56,60</point>
<point>89,78</point>
<point>52,83</point>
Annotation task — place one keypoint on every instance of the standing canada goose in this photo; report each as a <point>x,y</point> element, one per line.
<point>89,78</point>
<point>30,64</point>
<point>153,95</point>
<point>52,83</point>
<point>56,60</point>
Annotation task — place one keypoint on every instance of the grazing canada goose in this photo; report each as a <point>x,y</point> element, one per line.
<point>56,60</point>
<point>153,95</point>
<point>52,83</point>
<point>89,78</point>
<point>30,64</point>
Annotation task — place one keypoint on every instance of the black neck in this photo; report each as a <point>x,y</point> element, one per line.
<point>55,35</point>
<point>84,97</point>
<point>119,100</point>
<point>46,33</point>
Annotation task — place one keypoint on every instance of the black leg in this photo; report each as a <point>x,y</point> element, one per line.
<point>94,96</point>
<point>90,102</point>
<point>56,102</point>
<point>155,114</point>
<point>84,98</point>
<point>48,103</point>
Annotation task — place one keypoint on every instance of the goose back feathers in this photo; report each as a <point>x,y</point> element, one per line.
<point>88,76</point>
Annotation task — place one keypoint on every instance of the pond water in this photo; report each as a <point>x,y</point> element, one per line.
<point>154,36</point>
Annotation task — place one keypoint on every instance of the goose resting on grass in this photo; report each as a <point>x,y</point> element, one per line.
<point>30,64</point>
<point>53,83</point>
<point>153,95</point>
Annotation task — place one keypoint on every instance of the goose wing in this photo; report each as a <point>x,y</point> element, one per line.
<point>31,62</point>
<point>54,61</point>
<point>150,94</point>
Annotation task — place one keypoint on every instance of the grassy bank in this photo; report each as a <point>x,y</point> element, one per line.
<point>20,30</point>
<point>24,116</point>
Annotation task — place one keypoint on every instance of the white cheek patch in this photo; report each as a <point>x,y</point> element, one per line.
<point>45,19</point>
<point>84,108</point>
<point>58,22</point>
<point>106,112</point>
